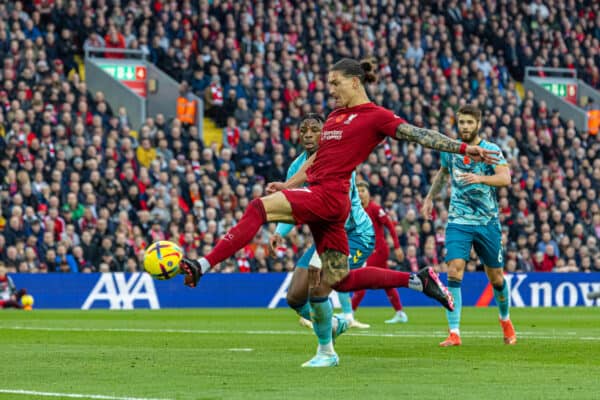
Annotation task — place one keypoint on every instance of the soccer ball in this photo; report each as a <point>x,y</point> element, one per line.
<point>161,259</point>
<point>27,301</point>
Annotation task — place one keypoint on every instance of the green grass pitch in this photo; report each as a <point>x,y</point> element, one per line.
<point>256,354</point>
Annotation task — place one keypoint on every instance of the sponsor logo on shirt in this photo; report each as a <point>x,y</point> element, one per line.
<point>350,119</point>
<point>331,135</point>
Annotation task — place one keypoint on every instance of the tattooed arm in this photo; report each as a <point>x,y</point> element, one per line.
<point>427,138</point>
<point>437,141</point>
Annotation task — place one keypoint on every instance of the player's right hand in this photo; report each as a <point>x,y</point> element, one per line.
<point>477,153</point>
<point>274,187</point>
<point>427,208</point>
<point>274,243</point>
<point>314,277</point>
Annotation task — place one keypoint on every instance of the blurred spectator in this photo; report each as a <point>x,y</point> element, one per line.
<point>75,175</point>
<point>114,40</point>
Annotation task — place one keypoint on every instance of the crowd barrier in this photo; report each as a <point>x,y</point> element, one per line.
<point>128,291</point>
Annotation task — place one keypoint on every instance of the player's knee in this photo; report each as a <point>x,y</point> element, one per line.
<point>257,203</point>
<point>295,300</point>
<point>335,266</point>
<point>455,269</point>
<point>497,279</point>
<point>454,276</point>
<point>257,207</point>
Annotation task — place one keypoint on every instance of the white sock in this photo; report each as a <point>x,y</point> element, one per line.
<point>349,317</point>
<point>455,330</point>
<point>400,313</point>
<point>505,319</point>
<point>326,348</point>
<point>415,283</point>
<point>204,264</point>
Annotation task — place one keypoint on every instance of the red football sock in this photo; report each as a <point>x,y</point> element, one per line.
<point>394,298</point>
<point>239,235</point>
<point>357,298</point>
<point>372,278</point>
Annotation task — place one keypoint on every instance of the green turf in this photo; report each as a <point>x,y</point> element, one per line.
<point>187,354</point>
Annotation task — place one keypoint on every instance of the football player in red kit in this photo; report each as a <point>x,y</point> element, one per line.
<point>349,135</point>
<point>379,257</point>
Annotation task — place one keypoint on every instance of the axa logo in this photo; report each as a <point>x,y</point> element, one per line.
<point>116,292</point>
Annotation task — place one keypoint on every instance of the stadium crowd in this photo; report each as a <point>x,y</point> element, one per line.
<point>82,190</point>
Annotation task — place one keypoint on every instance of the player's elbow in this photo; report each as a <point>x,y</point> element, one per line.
<point>506,179</point>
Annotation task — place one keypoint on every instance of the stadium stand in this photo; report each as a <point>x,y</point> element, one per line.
<point>83,191</point>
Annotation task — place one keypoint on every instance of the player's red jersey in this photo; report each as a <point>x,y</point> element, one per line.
<point>380,220</point>
<point>349,136</point>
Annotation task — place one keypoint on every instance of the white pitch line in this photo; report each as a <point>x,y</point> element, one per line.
<point>72,395</point>
<point>243,349</point>
<point>569,335</point>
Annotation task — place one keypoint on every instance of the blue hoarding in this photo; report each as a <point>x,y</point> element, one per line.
<point>128,291</point>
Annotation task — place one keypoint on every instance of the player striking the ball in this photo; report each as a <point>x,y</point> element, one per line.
<point>361,237</point>
<point>472,221</point>
<point>349,135</point>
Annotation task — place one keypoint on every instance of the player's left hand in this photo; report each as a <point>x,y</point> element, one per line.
<point>274,187</point>
<point>470,178</point>
<point>479,154</point>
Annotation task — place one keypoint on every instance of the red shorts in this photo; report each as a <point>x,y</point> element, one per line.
<point>325,211</point>
<point>379,257</point>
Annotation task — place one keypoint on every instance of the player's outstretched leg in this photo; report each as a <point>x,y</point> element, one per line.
<point>236,238</point>
<point>394,298</point>
<point>434,288</point>
<point>322,323</point>
<point>426,281</point>
<point>192,271</point>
